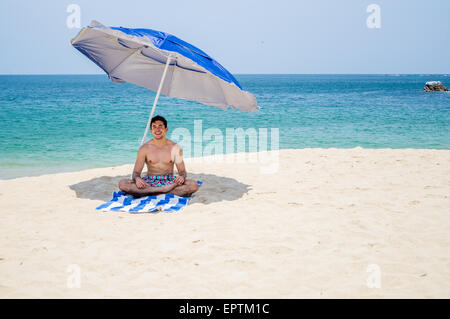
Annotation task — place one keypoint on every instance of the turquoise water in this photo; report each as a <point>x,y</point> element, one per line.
<point>53,123</point>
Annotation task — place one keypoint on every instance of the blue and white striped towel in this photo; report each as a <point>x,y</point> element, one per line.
<point>148,204</point>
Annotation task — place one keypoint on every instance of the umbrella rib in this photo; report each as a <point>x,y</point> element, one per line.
<point>175,63</point>
<point>139,50</point>
<point>128,56</point>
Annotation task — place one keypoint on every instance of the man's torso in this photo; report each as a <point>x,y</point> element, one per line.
<point>159,159</point>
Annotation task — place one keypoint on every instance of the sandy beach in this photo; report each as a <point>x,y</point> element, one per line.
<point>322,226</point>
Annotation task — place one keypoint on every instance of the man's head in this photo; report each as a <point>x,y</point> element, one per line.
<point>158,127</point>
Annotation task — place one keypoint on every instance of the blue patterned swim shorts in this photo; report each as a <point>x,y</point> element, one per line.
<point>159,180</point>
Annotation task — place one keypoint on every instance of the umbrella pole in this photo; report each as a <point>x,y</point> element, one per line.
<point>155,101</point>
<point>156,98</point>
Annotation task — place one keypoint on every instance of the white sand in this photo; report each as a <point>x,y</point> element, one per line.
<point>311,230</point>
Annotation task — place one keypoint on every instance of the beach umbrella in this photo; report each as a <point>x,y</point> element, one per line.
<point>163,63</point>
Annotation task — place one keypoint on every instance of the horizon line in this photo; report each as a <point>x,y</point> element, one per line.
<point>1,74</point>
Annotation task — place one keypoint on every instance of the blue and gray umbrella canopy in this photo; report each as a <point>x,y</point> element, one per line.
<point>163,63</point>
<point>141,57</point>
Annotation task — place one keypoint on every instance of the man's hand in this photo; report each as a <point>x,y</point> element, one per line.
<point>140,183</point>
<point>179,180</point>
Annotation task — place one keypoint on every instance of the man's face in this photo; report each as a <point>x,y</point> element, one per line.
<point>158,130</point>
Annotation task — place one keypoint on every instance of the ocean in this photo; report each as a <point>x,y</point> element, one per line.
<point>58,123</point>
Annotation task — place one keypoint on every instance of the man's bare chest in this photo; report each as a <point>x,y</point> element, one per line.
<point>159,156</point>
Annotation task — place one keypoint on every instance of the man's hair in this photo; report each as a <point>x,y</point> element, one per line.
<point>158,118</point>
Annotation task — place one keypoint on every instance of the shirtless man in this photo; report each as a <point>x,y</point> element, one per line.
<point>160,154</point>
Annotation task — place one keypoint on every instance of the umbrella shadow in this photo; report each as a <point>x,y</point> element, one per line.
<point>214,189</point>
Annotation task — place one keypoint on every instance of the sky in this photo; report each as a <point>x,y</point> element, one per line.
<point>245,36</point>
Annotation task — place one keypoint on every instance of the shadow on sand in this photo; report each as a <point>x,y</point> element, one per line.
<point>214,189</point>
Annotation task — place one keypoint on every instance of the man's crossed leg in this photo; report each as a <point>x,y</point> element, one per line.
<point>186,189</point>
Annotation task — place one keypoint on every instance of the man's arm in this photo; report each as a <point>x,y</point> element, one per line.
<point>179,163</point>
<point>181,169</point>
<point>137,170</point>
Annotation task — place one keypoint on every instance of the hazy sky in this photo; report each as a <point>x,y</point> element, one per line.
<point>245,36</point>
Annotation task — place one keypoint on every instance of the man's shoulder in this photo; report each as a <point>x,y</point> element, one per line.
<point>173,145</point>
<point>146,145</point>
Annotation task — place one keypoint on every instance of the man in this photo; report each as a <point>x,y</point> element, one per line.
<point>160,154</point>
